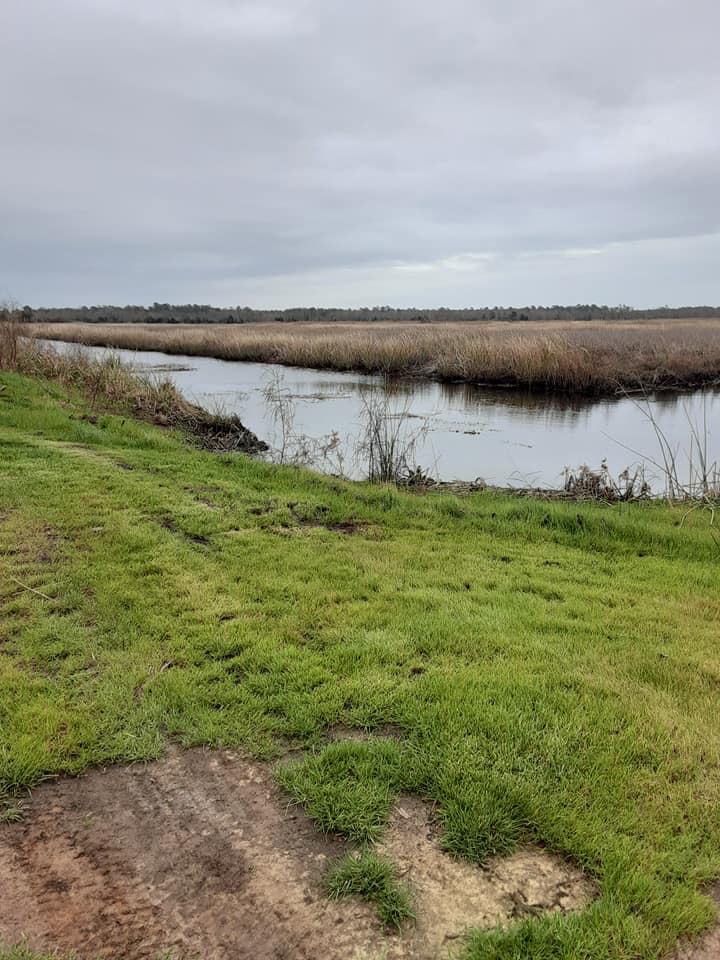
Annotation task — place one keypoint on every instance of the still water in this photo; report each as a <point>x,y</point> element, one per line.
<point>464,431</point>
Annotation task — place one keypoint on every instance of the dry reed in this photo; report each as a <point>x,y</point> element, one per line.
<point>587,358</point>
<point>109,384</point>
<point>9,338</point>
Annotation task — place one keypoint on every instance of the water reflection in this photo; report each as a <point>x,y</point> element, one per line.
<point>504,436</point>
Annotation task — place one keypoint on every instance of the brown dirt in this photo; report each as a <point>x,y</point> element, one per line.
<point>199,853</point>
<point>452,895</point>
<point>195,853</point>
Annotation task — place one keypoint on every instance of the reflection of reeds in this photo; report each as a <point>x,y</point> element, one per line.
<point>590,358</point>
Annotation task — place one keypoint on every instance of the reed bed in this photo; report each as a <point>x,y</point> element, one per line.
<point>10,330</point>
<point>584,358</point>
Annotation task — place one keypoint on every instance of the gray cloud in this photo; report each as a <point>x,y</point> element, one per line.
<point>286,151</point>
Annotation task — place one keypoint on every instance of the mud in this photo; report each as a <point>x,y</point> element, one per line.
<point>196,853</point>
<point>199,853</point>
<point>453,895</point>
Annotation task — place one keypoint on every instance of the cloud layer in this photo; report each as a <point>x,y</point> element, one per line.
<point>403,151</point>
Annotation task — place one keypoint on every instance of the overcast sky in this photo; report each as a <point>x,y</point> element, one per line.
<point>409,152</point>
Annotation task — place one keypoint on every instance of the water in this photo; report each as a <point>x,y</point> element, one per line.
<point>505,437</point>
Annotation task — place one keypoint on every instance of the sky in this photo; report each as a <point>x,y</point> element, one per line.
<point>327,153</point>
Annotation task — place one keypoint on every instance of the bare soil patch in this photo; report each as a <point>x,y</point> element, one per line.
<point>199,853</point>
<point>453,895</point>
<point>196,853</point>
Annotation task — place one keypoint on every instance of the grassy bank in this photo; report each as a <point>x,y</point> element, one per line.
<point>109,385</point>
<point>584,358</point>
<point>552,668</point>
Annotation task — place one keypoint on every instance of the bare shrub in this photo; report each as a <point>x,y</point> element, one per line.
<point>583,483</point>
<point>292,447</point>
<point>388,445</point>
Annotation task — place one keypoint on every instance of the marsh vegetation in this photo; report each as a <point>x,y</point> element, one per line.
<point>110,384</point>
<point>571,357</point>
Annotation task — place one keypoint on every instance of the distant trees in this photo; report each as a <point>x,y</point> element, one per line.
<point>204,313</point>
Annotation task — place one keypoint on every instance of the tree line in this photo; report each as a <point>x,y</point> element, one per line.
<point>204,313</point>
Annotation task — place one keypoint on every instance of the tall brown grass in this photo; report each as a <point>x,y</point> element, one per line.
<point>10,330</point>
<point>108,384</point>
<point>588,358</point>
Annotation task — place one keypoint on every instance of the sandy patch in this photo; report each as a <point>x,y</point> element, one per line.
<point>453,895</point>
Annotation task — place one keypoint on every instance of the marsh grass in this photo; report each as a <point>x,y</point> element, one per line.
<point>10,329</point>
<point>375,879</point>
<point>584,358</point>
<point>699,480</point>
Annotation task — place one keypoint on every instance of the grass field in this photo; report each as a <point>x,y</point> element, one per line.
<point>587,358</point>
<point>552,668</point>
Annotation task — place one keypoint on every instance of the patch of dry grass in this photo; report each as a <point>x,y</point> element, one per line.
<point>109,384</point>
<point>591,358</point>
<point>9,338</point>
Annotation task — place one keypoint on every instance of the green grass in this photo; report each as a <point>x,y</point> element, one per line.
<point>375,880</point>
<point>21,951</point>
<point>553,669</point>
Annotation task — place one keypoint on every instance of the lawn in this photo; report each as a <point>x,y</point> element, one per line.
<point>553,668</point>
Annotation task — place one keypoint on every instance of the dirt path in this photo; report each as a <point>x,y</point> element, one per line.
<point>200,854</point>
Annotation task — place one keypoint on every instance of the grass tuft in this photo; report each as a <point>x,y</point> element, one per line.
<point>21,951</point>
<point>374,879</point>
<point>348,788</point>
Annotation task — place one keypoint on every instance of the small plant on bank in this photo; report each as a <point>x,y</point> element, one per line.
<point>10,811</point>
<point>374,879</point>
<point>584,483</point>
<point>388,446</point>
<point>21,951</point>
